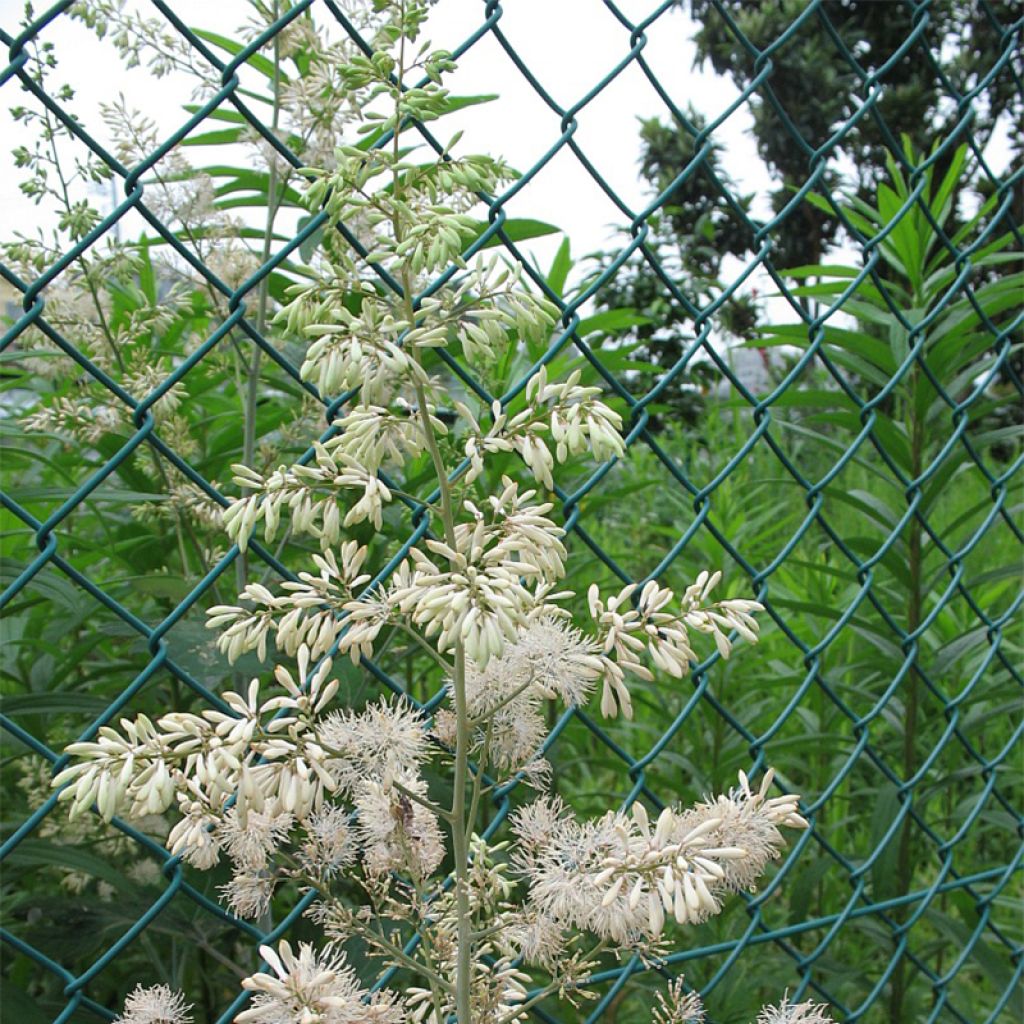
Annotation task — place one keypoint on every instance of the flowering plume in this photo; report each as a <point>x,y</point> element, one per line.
<point>295,783</point>
<point>621,877</point>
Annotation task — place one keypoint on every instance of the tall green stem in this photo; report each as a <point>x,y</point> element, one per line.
<point>262,296</point>
<point>904,857</point>
<point>460,828</point>
<point>458,825</point>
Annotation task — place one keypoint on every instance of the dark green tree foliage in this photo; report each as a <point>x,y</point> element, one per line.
<point>848,81</point>
<point>825,57</point>
<point>701,220</point>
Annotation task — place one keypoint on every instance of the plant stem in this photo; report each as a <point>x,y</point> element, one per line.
<point>447,667</point>
<point>904,857</point>
<point>262,298</point>
<point>457,822</point>
<point>478,781</point>
<point>463,734</point>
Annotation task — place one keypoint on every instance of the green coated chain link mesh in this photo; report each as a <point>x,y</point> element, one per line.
<point>806,948</point>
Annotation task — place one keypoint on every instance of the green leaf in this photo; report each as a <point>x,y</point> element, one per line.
<point>57,703</point>
<point>309,247</point>
<point>794,397</point>
<point>611,320</point>
<point>48,584</point>
<point>518,230</point>
<point>870,505</point>
<point>560,267</point>
<point>255,60</point>
<point>220,114</point>
<point>988,256</point>
<point>222,137</point>
<point>996,966</point>
<point>903,237</point>
<point>883,870</point>
<point>859,343</point>
<point>940,205</point>
<point>450,105</point>
<point>820,270</point>
<point>453,103</point>
<point>243,179</point>
<point>31,853</point>
<point>16,1004</point>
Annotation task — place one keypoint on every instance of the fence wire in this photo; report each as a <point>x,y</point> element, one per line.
<point>808,951</point>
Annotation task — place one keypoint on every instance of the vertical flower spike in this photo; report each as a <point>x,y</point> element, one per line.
<point>377,808</point>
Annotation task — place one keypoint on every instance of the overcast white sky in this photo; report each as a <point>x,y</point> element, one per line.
<point>569,45</point>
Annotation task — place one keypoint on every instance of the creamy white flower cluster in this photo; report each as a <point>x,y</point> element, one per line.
<point>566,416</point>
<point>307,611</point>
<point>310,493</point>
<point>488,303</point>
<point>303,987</point>
<point>568,413</point>
<point>295,790</point>
<point>316,988</point>
<point>271,775</point>
<point>622,878</point>
<point>639,620</point>
<point>480,593</point>
<point>420,228</point>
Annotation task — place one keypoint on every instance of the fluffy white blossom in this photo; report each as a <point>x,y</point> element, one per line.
<point>517,731</point>
<point>249,893</point>
<point>621,876</point>
<point>251,839</point>
<point>308,987</point>
<point>532,936</point>
<point>548,658</point>
<point>397,833</point>
<point>383,740</point>
<point>329,846</point>
<point>157,1004</point>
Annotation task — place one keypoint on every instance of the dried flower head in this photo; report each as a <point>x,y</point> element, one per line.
<point>678,1006</point>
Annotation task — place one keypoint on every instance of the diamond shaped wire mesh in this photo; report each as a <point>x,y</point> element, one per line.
<point>807,943</point>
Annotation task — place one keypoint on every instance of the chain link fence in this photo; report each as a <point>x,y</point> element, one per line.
<point>908,754</point>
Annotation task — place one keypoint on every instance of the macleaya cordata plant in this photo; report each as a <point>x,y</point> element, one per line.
<point>296,792</point>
